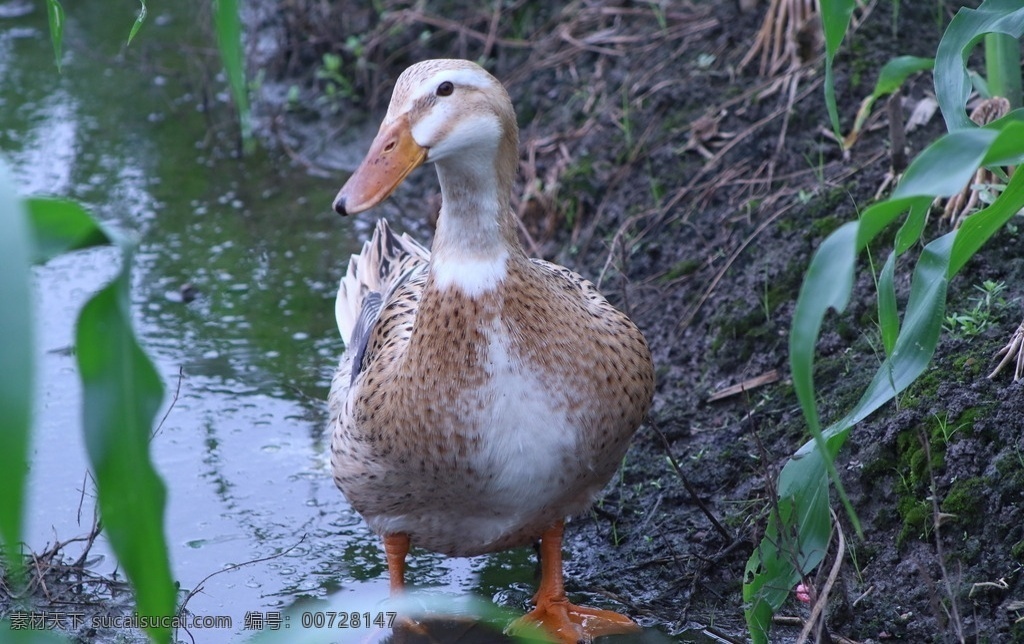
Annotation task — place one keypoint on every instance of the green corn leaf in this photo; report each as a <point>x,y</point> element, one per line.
<point>770,572</point>
<point>60,226</point>
<point>835,20</point>
<point>55,14</point>
<point>18,360</point>
<point>833,263</point>
<point>1006,149</point>
<point>804,533</point>
<point>912,229</point>
<point>952,81</point>
<point>827,285</point>
<point>945,167</point>
<point>890,78</point>
<point>122,394</point>
<point>979,227</point>
<point>229,40</point>
<point>797,539</point>
<point>139,19</point>
<point>888,317</point>
<point>896,71</point>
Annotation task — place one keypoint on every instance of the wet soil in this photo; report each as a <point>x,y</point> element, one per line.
<point>694,191</point>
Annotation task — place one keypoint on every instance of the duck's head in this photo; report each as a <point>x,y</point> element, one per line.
<point>449,112</point>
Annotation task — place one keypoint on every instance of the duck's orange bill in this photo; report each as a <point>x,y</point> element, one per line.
<point>392,156</point>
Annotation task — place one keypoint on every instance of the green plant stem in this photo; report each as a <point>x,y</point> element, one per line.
<point>1002,67</point>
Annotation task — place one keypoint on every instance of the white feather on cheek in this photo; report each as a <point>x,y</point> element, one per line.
<point>474,136</point>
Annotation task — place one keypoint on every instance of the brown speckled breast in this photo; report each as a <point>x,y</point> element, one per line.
<point>476,423</point>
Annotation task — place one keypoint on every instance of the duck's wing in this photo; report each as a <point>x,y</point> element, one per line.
<point>383,264</point>
<point>379,274</point>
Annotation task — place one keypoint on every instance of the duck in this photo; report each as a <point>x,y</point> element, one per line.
<point>483,396</point>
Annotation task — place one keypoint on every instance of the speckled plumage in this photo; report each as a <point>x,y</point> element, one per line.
<point>485,408</point>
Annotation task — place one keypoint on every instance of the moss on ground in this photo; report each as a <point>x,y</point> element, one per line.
<point>964,500</point>
<point>917,519</point>
<point>920,458</point>
<point>1017,551</point>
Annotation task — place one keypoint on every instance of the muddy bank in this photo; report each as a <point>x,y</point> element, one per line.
<point>693,190</point>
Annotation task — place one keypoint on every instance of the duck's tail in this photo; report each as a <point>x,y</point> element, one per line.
<point>384,261</point>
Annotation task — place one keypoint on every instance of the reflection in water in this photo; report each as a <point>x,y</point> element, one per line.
<point>49,144</point>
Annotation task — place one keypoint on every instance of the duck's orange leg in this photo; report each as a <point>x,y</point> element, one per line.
<point>396,547</point>
<point>567,622</point>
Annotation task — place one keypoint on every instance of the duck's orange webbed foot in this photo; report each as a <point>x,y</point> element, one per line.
<point>567,622</point>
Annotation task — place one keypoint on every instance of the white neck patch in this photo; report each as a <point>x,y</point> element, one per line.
<point>474,277</point>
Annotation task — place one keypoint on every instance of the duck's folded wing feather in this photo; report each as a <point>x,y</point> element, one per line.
<point>364,324</point>
<point>383,264</point>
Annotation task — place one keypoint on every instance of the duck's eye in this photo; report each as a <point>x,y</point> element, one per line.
<point>446,88</point>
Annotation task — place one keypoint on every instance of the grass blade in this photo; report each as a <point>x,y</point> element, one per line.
<point>139,19</point>
<point>18,360</point>
<point>55,14</point>
<point>122,393</point>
